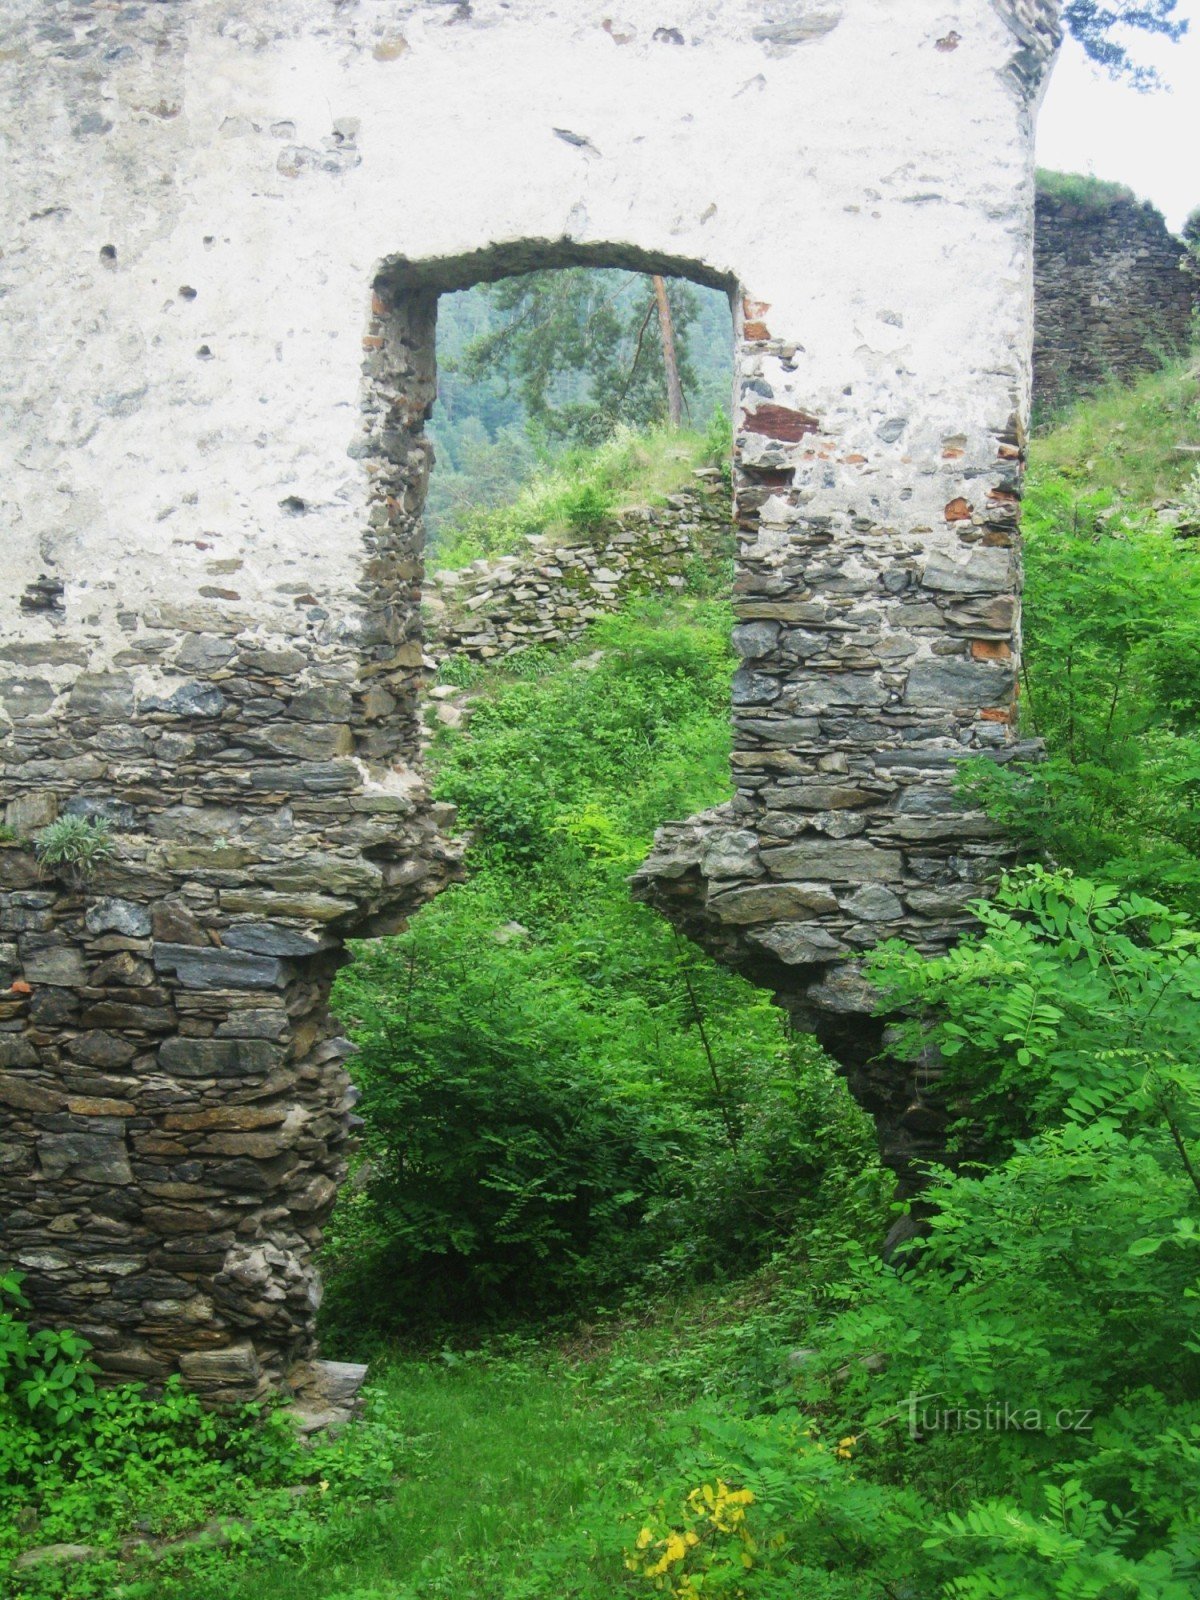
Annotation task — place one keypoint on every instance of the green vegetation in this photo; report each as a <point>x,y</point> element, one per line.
<point>537,370</point>
<point>1124,442</point>
<point>580,488</point>
<point>1112,638</point>
<point>565,1102</point>
<point>1083,191</point>
<point>613,1240</point>
<point>74,846</point>
<point>147,1488</point>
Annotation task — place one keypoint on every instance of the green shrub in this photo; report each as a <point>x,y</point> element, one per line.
<point>1014,1408</point>
<point>117,1468</point>
<point>1083,190</point>
<point>1112,684</point>
<point>555,1087</point>
<point>586,508</point>
<point>75,846</point>
<point>505,1167</point>
<point>1075,997</point>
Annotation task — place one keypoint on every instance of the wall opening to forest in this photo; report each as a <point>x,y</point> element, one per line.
<point>551,1074</point>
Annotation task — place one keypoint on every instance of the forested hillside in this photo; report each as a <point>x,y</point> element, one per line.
<point>607,363</point>
<point>612,1242</point>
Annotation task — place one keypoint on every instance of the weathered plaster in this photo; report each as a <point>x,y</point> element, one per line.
<point>225,230</point>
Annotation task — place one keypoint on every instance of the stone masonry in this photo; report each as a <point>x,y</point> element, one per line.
<point>1115,293</point>
<point>226,229</point>
<point>548,592</point>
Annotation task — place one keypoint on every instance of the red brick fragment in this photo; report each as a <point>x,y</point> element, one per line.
<point>991,650</point>
<point>780,422</point>
<point>959,511</point>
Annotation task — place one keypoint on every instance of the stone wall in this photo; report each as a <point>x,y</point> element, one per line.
<point>1115,293</point>
<point>550,590</point>
<point>176,1105</point>
<point>226,229</point>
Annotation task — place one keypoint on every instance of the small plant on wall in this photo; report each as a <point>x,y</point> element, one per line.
<point>73,847</point>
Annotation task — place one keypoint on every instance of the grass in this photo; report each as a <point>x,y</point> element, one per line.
<point>1081,190</point>
<point>1124,441</point>
<point>517,1472</point>
<point>509,1451</point>
<point>533,1464</point>
<point>581,488</point>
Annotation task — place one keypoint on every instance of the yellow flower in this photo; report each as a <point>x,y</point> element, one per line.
<point>845,1447</point>
<point>676,1548</point>
<point>323,1486</point>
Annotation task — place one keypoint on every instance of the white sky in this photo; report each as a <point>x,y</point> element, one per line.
<point>1149,141</point>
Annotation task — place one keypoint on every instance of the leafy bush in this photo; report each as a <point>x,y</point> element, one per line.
<point>587,508</point>
<point>44,1377</point>
<point>1075,999</point>
<point>504,1167</point>
<point>121,1471</point>
<point>1012,1409</point>
<point>564,1103</point>
<point>1112,683</point>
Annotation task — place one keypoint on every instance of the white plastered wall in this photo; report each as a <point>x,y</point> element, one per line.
<point>868,185</point>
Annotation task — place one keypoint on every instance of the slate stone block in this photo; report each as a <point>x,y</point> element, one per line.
<point>213,967</point>
<point>184,1057</point>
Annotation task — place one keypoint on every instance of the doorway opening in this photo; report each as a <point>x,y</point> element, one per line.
<point>565,1101</point>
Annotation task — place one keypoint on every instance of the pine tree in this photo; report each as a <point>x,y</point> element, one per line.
<point>577,346</point>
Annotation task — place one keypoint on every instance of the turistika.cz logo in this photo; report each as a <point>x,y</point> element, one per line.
<point>927,1415</point>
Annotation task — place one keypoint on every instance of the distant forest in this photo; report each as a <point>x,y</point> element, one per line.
<point>590,374</point>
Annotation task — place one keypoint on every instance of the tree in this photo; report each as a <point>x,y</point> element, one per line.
<point>666,329</point>
<point>577,345</point>
<point>1092,22</point>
